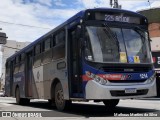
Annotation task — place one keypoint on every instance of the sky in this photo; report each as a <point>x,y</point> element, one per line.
<point>27,20</point>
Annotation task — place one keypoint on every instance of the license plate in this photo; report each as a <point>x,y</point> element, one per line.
<point>130,90</point>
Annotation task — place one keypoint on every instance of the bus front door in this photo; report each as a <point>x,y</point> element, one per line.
<point>75,80</point>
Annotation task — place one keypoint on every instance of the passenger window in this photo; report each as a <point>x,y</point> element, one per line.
<point>59,48</point>
<point>60,37</point>
<point>21,68</point>
<point>38,56</point>
<point>37,49</point>
<point>47,44</point>
<point>22,57</point>
<point>47,56</point>
<point>17,60</point>
<point>16,69</point>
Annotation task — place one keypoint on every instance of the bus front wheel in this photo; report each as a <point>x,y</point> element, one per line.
<point>60,103</point>
<point>111,104</point>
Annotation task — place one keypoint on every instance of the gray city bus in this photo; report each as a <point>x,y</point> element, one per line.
<point>99,54</point>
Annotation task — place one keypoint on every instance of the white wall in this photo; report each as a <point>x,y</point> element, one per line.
<point>7,50</point>
<point>155,44</point>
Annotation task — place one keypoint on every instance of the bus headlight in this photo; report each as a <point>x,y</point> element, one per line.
<point>152,78</point>
<point>97,79</point>
<point>100,81</point>
<point>103,82</point>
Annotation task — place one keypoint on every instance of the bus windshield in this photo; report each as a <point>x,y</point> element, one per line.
<point>113,44</point>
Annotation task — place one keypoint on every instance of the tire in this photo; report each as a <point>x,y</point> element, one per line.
<point>60,103</point>
<point>111,104</point>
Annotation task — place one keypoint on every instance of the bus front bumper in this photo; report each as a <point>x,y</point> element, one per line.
<point>96,91</point>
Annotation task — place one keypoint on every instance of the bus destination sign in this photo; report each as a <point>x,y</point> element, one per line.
<point>117,17</point>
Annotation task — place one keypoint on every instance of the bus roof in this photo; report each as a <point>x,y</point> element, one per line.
<point>79,15</point>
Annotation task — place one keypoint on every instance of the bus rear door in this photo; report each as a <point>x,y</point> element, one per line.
<point>29,75</point>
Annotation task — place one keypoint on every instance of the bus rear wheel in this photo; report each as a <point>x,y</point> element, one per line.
<point>60,103</point>
<point>19,100</point>
<point>111,104</point>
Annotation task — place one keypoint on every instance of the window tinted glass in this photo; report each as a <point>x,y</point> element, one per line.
<point>47,44</point>
<point>60,37</point>
<point>37,49</point>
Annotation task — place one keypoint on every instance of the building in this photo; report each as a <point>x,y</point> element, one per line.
<point>153,16</point>
<point>7,50</point>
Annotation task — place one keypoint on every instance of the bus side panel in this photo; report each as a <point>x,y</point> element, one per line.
<point>43,77</point>
<point>56,70</point>
<point>48,76</point>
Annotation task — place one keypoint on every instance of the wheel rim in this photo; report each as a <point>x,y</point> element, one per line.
<point>59,98</point>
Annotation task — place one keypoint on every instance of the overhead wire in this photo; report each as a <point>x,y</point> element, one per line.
<point>24,25</point>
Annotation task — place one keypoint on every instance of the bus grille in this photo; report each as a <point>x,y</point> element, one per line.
<point>127,81</point>
<point>117,93</point>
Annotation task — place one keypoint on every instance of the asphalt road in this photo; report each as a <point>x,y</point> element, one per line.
<point>126,109</point>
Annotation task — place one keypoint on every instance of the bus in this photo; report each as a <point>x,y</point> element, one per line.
<point>99,54</point>
<point>156,61</point>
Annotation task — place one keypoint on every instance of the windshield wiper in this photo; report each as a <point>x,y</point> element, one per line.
<point>140,31</point>
<point>111,34</point>
<point>114,36</point>
<point>138,28</point>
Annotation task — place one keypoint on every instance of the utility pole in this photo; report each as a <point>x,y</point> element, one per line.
<point>114,4</point>
<point>3,40</point>
<point>149,4</point>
